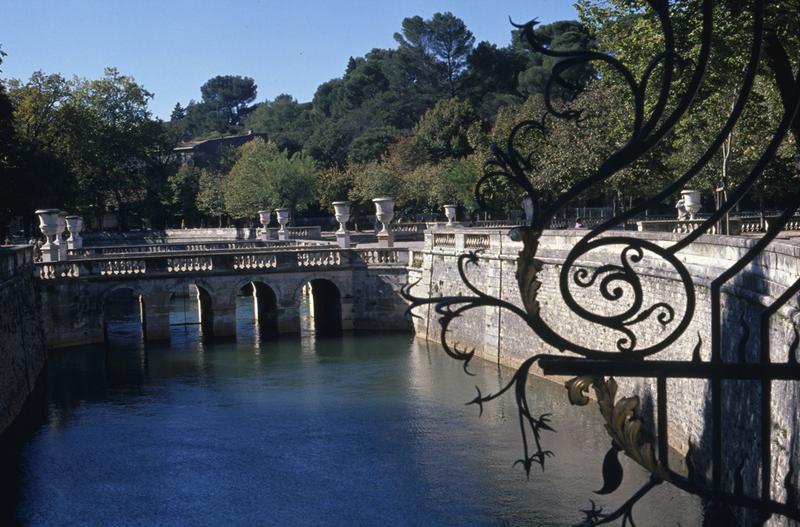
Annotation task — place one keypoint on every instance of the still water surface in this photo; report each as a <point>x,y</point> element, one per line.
<point>358,430</point>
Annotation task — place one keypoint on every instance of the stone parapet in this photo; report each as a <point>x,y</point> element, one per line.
<point>501,336</point>
<point>22,346</point>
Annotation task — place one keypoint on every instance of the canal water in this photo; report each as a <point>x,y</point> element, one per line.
<point>358,430</point>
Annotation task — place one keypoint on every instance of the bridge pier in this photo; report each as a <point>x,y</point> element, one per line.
<point>155,317</point>
<point>347,312</point>
<point>224,317</point>
<point>288,316</point>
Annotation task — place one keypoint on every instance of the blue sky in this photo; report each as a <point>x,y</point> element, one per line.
<point>173,46</point>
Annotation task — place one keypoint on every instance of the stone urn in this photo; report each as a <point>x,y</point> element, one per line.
<point>48,224</point>
<point>691,202</point>
<point>450,214</point>
<point>283,220</point>
<point>342,211</point>
<point>384,211</point>
<point>527,208</point>
<point>75,227</point>
<point>264,216</point>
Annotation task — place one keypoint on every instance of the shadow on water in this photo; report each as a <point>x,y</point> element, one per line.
<point>367,429</point>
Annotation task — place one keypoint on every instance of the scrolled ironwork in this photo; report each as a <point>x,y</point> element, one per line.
<point>626,305</point>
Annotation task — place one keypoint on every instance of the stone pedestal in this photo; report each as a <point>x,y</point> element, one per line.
<point>385,239</point>
<point>343,240</point>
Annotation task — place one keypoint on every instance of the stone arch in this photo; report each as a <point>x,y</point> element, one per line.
<point>325,306</point>
<point>183,310</point>
<point>217,305</point>
<point>120,294</point>
<point>265,308</point>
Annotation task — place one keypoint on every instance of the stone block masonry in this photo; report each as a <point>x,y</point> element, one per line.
<point>22,343</point>
<point>504,338</point>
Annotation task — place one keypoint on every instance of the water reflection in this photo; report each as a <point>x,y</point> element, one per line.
<point>357,430</point>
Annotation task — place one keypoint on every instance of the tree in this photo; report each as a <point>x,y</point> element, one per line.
<point>438,47</point>
<point>443,131</point>
<point>285,121</point>
<point>373,144</point>
<point>111,138</point>
<point>371,180</point>
<point>490,80</point>
<point>185,186</point>
<point>178,113</point>
<point>211,194</point>
<point>266,177</point>
<point>451,43</point>
<point>631,32</point>
<point>333,184</point>
<point>229,95</point>
<point>564,35</point>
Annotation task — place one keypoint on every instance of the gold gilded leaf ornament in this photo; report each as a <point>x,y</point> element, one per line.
<point>622,425</point>
<point>528,268</point>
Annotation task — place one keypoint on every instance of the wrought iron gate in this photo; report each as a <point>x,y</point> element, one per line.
<point>596,367</point>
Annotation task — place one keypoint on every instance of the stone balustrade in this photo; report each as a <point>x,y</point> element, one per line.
<point>444,239</point>
<point>255,261</point>
<point>737,225</point>
<point>465,239</point>
<point>186,247</point>
<point>13,260</point>
<point>313,232</point>
<point>409,228</point>
<point>220,262</point>
<point>383,256</point>
<point>117,267</point>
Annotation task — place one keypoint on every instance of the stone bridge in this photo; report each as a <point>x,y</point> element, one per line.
<point>350,289</point>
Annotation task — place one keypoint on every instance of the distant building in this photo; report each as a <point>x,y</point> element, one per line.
<point>198,151</point>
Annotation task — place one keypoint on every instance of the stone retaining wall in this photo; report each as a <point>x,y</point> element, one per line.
<point>502,337</point>
<point>22,343</point>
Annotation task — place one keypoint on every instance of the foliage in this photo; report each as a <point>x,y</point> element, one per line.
<point>185,186</point>
<point>285,121</point>
<point>442,132</point>
<point>87,144</point>
<point>333,184</point>
<point>265,177</point>
<point>210,194</point>
<point>229,95</point>
<point>632,33</point>
<point>564,35</point>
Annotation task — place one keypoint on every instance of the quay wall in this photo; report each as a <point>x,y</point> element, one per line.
<point>22,343</point>
<point>500,336</point>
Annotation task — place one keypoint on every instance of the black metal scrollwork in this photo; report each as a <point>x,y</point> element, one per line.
<point>627,306</point>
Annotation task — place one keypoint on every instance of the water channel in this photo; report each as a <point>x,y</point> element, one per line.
<point>365,429</point>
